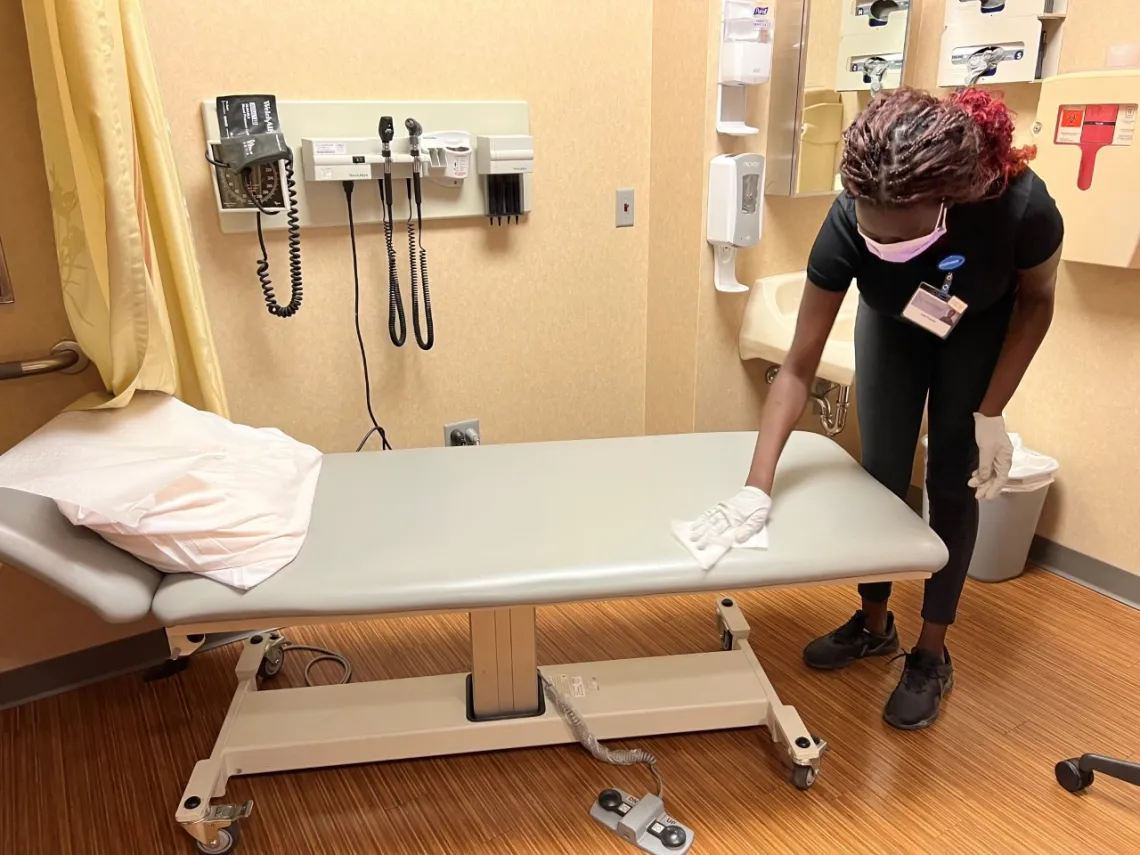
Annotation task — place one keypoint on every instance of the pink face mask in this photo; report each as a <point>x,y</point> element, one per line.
<point>897,253</point>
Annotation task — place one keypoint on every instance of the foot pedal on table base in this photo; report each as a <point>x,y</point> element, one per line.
<point>642,822</point>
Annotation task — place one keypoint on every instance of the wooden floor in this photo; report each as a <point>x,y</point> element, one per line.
<point>1045,670</point>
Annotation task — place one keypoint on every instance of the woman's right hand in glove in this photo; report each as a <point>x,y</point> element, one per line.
<point>733,521</point>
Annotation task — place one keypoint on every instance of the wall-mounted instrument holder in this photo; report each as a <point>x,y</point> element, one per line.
<point>337,141</point>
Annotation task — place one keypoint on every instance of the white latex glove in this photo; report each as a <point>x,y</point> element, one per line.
<point>995,456</point>
<point>732,522</point>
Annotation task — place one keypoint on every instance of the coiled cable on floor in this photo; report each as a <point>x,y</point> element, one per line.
<point>418,262</point>
<point>395,301</point>
<point>348,188</point>
<point>324,656</point>
<point>294,232</point>
<point>615,757</point>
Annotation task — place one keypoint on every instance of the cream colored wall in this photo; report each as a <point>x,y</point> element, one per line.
<point>1075,402</point>
<point>680,59</point>
<point>823,42</point>
<point>540,328</point>
<point>36,623</point>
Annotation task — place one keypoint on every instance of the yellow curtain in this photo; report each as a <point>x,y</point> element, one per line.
<point>131,283</point>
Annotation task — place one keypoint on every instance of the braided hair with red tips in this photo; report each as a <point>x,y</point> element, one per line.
<point>910,147</point>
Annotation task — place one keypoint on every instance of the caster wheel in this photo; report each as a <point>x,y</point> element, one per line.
<point>228,839</point>
<point>1072,777</point>
<point>726,640</point>
<point>803,777</point>
<point>271,664</point>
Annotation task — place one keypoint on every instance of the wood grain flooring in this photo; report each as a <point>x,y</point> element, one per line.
<point>1045,670</point>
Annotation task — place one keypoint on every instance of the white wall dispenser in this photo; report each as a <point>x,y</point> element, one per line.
<point>872,44</point>
<point>735,212</point>
<point>1000,41</point>
<point>747,30</point>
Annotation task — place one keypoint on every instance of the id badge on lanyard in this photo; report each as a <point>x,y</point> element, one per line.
<point>936,310</point>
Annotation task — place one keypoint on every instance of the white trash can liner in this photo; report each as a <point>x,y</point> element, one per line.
<point>1031,470</point>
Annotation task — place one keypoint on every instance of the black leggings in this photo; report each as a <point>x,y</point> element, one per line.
<point>897,365</point>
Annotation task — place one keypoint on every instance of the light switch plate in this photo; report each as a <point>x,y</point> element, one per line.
<point>624,208</point>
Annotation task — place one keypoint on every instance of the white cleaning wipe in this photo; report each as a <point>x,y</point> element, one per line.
<point>183,490</point>
<point>719,547</point>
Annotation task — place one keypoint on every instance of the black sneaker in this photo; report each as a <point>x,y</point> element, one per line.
<point>851,641</point>
<point>926,679</point>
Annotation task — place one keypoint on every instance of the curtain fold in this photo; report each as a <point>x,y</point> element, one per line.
<point>130,278</point>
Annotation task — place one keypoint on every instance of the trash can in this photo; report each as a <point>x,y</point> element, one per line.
<point>1007,524</point>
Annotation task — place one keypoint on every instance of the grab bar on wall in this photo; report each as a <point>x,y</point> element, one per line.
<point>66,358</point>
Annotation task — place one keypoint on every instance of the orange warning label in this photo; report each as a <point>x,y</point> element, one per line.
<point>1072,118</point>
<point>1069,123</point>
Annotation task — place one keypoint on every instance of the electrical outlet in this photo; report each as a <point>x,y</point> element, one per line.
<point>459,433</point>
<point>624,208</point>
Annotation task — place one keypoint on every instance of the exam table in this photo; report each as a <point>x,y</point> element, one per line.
<point>496,531</point>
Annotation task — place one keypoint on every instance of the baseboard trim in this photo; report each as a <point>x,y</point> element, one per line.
<point>84,667</point>
<point>1092,573</point>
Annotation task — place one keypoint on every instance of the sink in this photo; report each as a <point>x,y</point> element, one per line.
<point>770,322</point>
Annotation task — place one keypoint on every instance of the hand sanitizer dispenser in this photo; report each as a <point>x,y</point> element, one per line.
<point>735,212</point>
<point>745,60</point>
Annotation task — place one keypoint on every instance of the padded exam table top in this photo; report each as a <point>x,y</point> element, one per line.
<point>504,525</point>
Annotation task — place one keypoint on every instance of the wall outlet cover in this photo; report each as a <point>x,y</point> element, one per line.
<point>462,427</point>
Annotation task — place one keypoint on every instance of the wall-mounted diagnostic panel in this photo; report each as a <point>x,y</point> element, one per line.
<point>290,165</point>
<point>476,159</point>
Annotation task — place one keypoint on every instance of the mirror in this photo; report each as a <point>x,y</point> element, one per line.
<point>837,55</point>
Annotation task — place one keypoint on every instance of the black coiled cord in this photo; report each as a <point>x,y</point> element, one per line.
<point>348,187</point>
<point>294,230</point>
<point>395,301</point>
<point>418,257</point>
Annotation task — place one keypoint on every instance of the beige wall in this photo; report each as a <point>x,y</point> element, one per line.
<point>680,92</point>
<point>36,623</point>
<point>540,328</point>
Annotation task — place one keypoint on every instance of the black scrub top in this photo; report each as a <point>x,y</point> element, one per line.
<point>986,243</point>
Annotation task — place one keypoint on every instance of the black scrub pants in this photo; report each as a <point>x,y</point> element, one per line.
<point>899,366</point>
